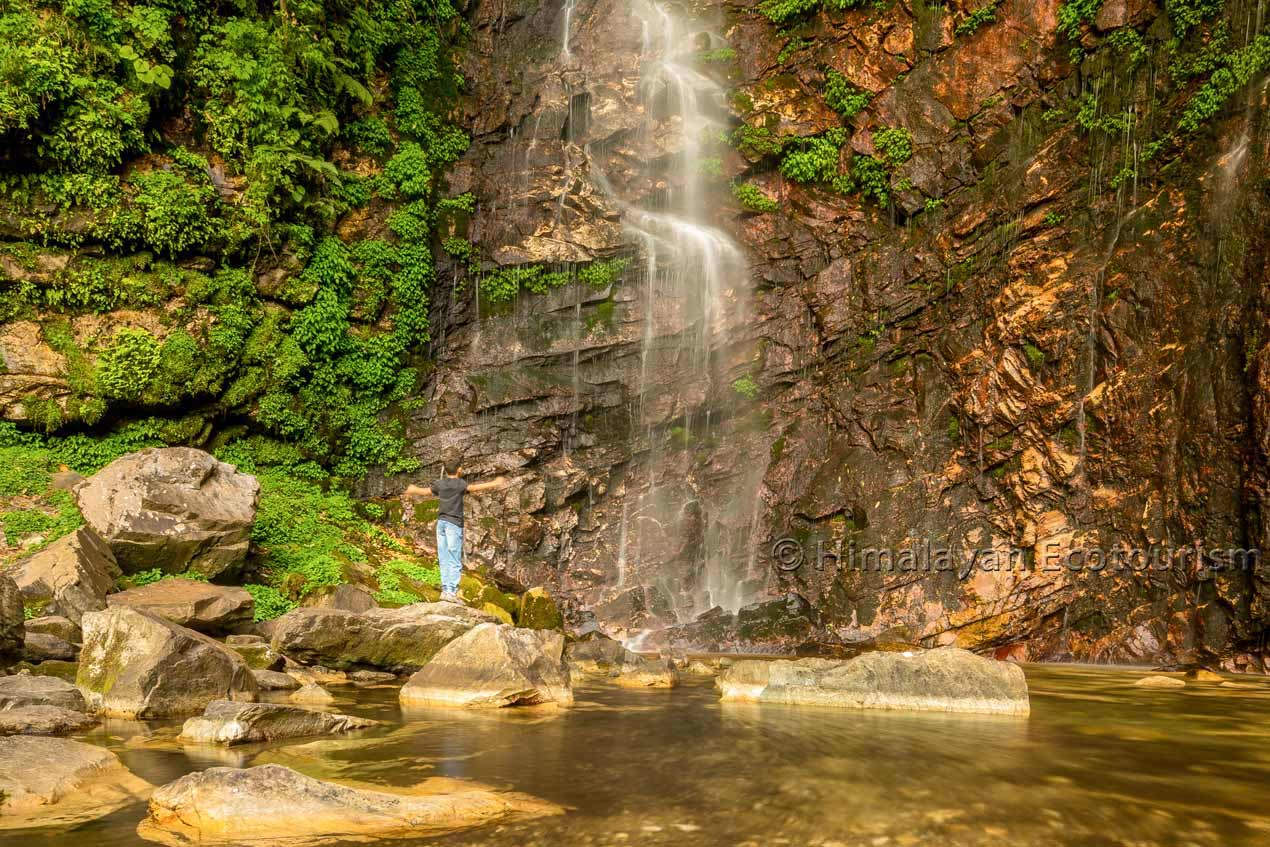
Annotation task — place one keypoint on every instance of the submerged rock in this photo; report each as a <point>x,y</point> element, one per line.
<point>1159,681</point>
<point>138,665</point>
<point>174,508</point>
<point>200,606</point>
<point>47,781</point>
<point>30,690</point>
<point>275,681</point>
<point>69,577</point>
<point>494,666</point>
<point>312,693</point>
<point>43,720</point>
<point>272,801</point>
<point>628,669</point>
<point>12,633</point>
<point>400,640</point>
<point>944,680</point>
<point>227,722</point>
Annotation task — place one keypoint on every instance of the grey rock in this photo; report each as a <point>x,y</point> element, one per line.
<point>227,722</point>
<point>275,681</point>
<point>41,647</point>
<point>43,720</point>
<point>348,598</point>
<point>12,632</point>
<point>64,628</point>
<point>25,689</point>
<point>493,666</point>
<point>312,693</point>
<point>174,508</point>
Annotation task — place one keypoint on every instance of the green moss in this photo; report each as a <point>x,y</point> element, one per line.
<point>746,387</point>
<point>843,97</point>
<point>983,15</point>
<point>752,198</point>
<point>1035,356</point>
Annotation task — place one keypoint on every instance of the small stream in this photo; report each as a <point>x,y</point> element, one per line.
<point>1098,762</point>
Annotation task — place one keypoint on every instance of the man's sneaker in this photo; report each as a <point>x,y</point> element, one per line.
<point>449,597</point>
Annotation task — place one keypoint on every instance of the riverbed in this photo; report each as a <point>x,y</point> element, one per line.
<point>1098,762</point>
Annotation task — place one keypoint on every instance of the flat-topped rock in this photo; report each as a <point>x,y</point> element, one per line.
<point>944,680</point>
<point>275,681</point>
<point>69,577</point>
<point>51,781</point>
<point>227,722</point>
<point>56,625</point>
<point>42,647</point>
<point>399,640</point>
<point>31,690</point>
<point>493,666</point>
<point>43,720</point>
<point>174,508</point>
<point>138,665</point>
<point>272,801</point>
<point>344,597</point>
<point>200,606</point>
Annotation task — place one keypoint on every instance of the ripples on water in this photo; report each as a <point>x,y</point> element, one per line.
<point>1099,762</point>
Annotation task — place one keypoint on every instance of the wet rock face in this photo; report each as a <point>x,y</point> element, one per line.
<point>1040,361</point>
<point>174,508</point>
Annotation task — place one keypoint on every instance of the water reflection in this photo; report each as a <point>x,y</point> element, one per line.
<point>1098,762</point>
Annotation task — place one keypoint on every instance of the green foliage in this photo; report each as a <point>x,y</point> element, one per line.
<point>504,284</point>
<point>718,56</point>
<point>756,141</point>
<point>843,97</point>
<point>784,11</point>
<point>52,515</point>
<point>815,159</point>
<point>1053,218</point>
<point>752,198</point>
<point>1073,13</point>
<point>794,45</point>
<point>173,210</point>
<point>1239,68</point>
<point>746,387</point>
<point>125,368</point>
<point>870,178</point>
<point>977,18</point>
<point>1035,356</point>
<point>1187,14</point>
<point>270,603</point>
<point>399,580</point>
<point>895,145</point>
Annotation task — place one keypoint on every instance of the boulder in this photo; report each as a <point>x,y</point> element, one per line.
<point>30,690</point>
<point>43,720</point>
<point>642,672</point>
<point>227,722</point>
<point>138,665</point>
<point>256,652</point>
<point>56,625</point>
<point>313,694</point>
<point>596,655</point>
<point>494,665</point>
<point>50,667</point>
<point>272,801</point>
<point>173,508</point>
<point>399,640</point>
<point>69,577</point>
<point>274,681</point>
<point>40,647</point>
<point>200,606</point>
<point>948,679</point>
<point>372,678</point>
<point>539,611</point>
<point>345,597</point>
<point>12,632</point>
<point>49,781</point>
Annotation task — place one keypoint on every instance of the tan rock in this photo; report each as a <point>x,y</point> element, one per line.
<point>50,781</point>
<point>25,689</point>
<point>944,680</point>
<point>1159,681</point>
<point>312,693</point>
<point>200,606</point>
<point>135,664</point>
<point>494,666</point>
<point>272,801</point>
<point>226,722</point>
<point>70,577</point>
<point>12,631</point>
<point>43,720</point>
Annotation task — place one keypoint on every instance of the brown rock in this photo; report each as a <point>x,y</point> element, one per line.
<point>43,720</point>
<point>200,606</point>
<point>492,666</point>
<point>69,577</point>
<point>12,632</point>
<point>49,782</point>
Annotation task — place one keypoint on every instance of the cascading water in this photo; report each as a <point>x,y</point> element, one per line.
<point>680,543</point>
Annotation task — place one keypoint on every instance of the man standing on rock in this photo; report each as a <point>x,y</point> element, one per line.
<point>450,490</point>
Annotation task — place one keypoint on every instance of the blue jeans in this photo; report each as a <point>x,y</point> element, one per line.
<point>450,555</point>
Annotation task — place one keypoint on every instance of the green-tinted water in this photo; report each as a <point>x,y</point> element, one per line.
<point>1099,762</point>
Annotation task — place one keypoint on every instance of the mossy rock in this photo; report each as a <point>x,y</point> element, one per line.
<point>49,667</point>
<point>498,612</point>
<point>539,611</point>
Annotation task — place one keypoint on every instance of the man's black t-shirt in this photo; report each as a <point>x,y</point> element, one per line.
<point>449,491</point>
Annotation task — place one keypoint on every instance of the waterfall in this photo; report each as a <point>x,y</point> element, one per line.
<point>684,540</point>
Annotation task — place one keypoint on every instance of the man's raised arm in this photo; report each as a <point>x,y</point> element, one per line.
<point>417,491</point>
<point>496,482</point>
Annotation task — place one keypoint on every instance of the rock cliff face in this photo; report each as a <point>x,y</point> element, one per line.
<point>1050,336</point>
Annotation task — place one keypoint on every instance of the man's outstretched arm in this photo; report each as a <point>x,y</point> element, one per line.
<point>417,491</point>
<point>496,482</point>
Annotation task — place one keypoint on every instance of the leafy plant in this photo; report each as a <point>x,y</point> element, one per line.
<point>977,18</point>
<point>843,97</point>
<point>752,198</point>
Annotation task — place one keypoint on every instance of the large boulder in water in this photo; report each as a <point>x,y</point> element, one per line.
<point>200,606</point>
<point>12,616</point>
<point>173,508</point>
<point>70,576</point>
<point>398,640</point>
<point>227,722</point>
<point>493,666</point>
<point>274,802</point>
<point>944,680</point>
<point>55,781</point>
<point>135,664</point>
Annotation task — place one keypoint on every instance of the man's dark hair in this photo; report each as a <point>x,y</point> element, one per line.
<point>451,465</point>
